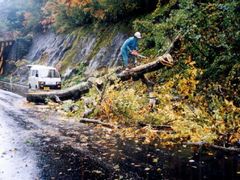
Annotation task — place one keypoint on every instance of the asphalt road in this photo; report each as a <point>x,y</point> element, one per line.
<point>37,142</point>
<point>17,159</point>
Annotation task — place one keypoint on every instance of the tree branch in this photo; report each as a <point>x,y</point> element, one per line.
<point>96,121</point>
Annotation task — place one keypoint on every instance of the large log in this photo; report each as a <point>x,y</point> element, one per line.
<point>73,93</point>
<point>138,72</point>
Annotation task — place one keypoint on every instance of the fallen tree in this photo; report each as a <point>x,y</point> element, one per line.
<point>73,93</point>
<point>76,92</point>
<point>138,72</point>
<point>135,73</point>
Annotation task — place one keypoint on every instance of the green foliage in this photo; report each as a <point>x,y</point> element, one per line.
<point>209,35</point>
<point>23,16</point>
<point>102,11</point>
<point>233,81</point>
<point>212,38</point>
<point>117,10</point>
<point>69,19</point>
<point>161,27</point>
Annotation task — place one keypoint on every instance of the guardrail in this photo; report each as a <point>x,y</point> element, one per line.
<point>14,87</point>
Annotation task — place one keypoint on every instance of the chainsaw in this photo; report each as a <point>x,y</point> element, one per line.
<point>135,53</point>
<point>166,59</point>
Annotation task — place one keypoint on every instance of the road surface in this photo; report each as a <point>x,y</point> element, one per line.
<point>40,143</point>
<point>17,160</point>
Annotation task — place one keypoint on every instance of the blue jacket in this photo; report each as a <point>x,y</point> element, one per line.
<point>130,44</point>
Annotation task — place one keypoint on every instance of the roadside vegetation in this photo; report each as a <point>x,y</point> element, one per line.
<point>197,99</point>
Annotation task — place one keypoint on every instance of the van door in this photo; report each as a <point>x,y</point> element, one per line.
<point>33,79</point>
<point>36,79</point>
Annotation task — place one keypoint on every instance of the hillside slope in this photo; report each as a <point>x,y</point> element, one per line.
<point>82,51</point>
<point>198,98</point>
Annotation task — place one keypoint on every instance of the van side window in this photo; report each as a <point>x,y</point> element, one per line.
<point>49,74</point>
<point>37,75</point>
<point>33,72</point>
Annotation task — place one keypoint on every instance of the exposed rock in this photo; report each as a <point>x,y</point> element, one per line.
<point>107,56</point>
<point>67,51</point>
<point>84,46</point>
<point>50,48</point>
<point>20,48</point>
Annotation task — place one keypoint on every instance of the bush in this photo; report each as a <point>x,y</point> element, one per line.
<point>210,33</point>
<point>117,10</point>
<point>69,19</point>
<point>79,13</point>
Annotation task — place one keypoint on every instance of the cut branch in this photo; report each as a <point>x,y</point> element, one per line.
<point>205,144</point>
<point>156,127</point>
<point>96,121</point>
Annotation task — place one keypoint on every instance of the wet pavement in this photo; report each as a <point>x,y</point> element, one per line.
<point>40,143</point>
<point>17,160</point>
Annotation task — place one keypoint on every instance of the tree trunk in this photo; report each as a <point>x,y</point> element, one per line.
<point>137,72</point>
<point>73,93</point>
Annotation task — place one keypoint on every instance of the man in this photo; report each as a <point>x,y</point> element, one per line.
<point>129,48</point>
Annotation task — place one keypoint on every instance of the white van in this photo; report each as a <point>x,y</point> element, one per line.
<point>41,77</point>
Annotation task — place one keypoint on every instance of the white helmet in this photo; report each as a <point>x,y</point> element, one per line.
<point>138,35</point>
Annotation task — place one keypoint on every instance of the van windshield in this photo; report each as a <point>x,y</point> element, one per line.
<point>52,73</point>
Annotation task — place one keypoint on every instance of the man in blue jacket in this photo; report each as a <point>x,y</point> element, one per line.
<point>129,48</point>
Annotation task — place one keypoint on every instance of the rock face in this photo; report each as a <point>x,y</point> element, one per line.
<point>49,48</point>
<point>107,56</point>
<point>84,47</point>
<point>68,52</point>
<point>20,48</point>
